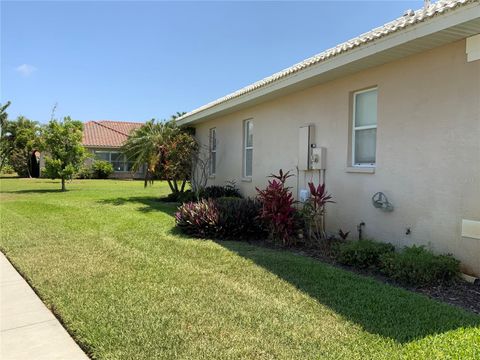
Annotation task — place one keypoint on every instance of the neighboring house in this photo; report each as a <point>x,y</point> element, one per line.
<point>395,110</point>
<point>104,139</point>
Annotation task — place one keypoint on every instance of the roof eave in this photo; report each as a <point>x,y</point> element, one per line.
<point>434,32</point>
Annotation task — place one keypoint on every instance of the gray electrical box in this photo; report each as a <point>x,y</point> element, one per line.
<point>305,142</point>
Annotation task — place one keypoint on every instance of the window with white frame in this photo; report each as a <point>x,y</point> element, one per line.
<point>247,148</point>
<point>117,159</point>
<point>213,151</point>
<point>364,134</point>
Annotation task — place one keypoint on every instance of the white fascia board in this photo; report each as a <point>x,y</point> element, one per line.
<point>411,33</point>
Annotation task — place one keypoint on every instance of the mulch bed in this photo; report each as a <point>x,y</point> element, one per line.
<point>459,293</point>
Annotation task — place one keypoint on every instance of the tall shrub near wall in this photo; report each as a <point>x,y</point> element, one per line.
<point>277,210</point>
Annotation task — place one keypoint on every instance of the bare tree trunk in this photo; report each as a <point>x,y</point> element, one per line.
<point>29,163</point>
<point>170,185</point>
<point>182,189</point>
<point>63,184</point>
<point>145,178</point>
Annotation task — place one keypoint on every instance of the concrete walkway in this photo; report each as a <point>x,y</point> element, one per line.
<point>28,330</point>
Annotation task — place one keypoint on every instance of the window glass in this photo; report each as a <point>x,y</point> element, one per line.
<point>364,135</point>
<point>116,158</point>
<point>213,163</point>
<point>213,151</point>
<point>366,108</point>
<point>248,148</point>
<point>248,162</point>
<point>249,133</point>
<point>129,166</point>
<point>102,155</point>
<point>365,144</point>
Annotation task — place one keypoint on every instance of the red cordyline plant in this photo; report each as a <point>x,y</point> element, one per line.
<point>277,210</point>
<point>314,210</point>
<point>319,196</point>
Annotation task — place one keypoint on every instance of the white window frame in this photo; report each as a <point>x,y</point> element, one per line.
<point>212,148</point>
<point>245,148</point>
<point>366,127</point>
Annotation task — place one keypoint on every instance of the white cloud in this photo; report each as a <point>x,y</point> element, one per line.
<point>25,69</point>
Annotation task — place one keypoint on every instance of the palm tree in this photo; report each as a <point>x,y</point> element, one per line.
<point>3,115</point>
<point>146,146</point>
<point>4,141</point>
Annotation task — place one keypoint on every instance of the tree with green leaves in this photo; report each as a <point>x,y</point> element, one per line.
<point>24,137</point>
<point>5,146</point>
<point>166,151</point>
<point>63,145</point>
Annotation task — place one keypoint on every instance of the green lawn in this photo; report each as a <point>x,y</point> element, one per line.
<point>106,258</point>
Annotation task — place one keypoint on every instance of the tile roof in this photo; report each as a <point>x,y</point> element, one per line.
<point>108,134</point>
<point>409,19</point>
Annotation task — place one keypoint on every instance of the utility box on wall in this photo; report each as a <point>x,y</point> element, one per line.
<point>305,142</point>
<point>318,158</point>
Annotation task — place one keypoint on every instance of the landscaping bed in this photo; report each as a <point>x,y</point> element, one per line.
<point>272,217</point>
<point>459,292</point>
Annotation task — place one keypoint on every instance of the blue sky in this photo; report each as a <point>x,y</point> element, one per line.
<point>133,61</point>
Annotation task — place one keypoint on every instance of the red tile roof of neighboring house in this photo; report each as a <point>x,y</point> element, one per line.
<point>108,134</point>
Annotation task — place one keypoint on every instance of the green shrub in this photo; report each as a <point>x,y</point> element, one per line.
<point>363,253</point>
<point>416,265</point>
<point>238,218</point>
<point>200,219</point>
<point>101,169</point>
<point>222,218</point>
<point>181,197</point>
<point>85,172</point>
<point>8,169</point>
<point>216,191</point>
<point>209,192</point>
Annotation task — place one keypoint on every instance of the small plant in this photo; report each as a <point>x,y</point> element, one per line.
<point>277,210</point>
<point>363,253</point>
<point>199,219</point>
<point>314,212</point>
<point>101,169</point>
<point>7,169</point>
<point>416,265</point>
<point>343,235</point>
<point>231,189</point>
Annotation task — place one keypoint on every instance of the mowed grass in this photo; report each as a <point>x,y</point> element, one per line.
<point>106,258</point>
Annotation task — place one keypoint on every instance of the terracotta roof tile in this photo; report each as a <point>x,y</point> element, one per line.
<point>108,134</point>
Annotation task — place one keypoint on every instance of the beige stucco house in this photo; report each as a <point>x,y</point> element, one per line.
<point>395,110</point>
<point>103,139</point>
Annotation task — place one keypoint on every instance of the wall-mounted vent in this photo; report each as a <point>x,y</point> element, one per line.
<point>473,48</point>
<point>471,229</point>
